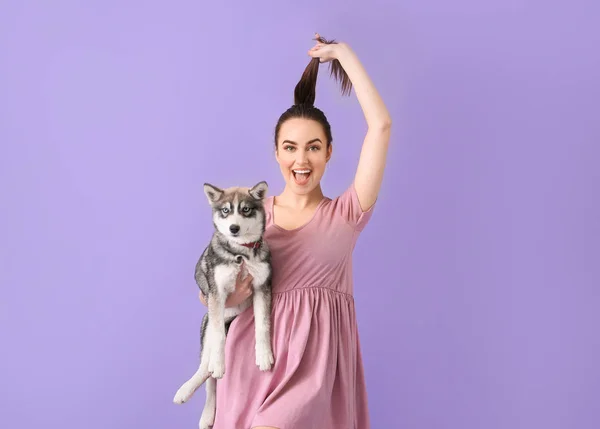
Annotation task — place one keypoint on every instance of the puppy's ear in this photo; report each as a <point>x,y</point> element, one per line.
<point>212,193</point>
<point>259,191</point>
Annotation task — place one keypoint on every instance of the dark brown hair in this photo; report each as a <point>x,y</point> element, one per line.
<point>304,95</point>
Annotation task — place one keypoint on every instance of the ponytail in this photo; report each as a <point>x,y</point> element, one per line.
<point>305,91</point>
<point>305,94</point>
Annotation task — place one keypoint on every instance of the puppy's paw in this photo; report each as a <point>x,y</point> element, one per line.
<point>216,367</point>
<point>264,357</point>
<point>207,420</point>
<point>184,393</point>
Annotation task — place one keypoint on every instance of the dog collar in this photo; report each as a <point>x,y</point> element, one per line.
<point>253,245</point>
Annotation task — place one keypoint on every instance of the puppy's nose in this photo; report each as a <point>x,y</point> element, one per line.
<point>234,229</point>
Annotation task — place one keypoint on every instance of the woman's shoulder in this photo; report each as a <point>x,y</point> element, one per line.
<point>268,207</point>
<point>348,209</point>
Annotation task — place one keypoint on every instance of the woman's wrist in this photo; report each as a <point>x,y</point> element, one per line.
<point>342,51</point>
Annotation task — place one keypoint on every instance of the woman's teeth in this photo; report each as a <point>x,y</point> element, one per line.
<point>301,176</point>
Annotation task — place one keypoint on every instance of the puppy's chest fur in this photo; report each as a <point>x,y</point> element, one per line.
<point>219,261</point>
<point>226,274</point>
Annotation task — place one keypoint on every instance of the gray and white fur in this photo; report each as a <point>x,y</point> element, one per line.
<point>239,219</point>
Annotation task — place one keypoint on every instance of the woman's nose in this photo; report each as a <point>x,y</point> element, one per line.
<point>300,156</point>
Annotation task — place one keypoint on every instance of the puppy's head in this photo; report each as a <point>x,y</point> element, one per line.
<point>238,213</point>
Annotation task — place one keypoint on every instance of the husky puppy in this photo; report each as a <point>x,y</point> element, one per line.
<point>239,219</point>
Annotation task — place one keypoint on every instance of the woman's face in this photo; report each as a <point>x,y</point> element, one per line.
<point>302,154</point>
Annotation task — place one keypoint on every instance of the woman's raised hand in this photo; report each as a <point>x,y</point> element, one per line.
<point>325,51</point>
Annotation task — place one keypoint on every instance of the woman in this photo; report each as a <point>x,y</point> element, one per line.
<point>317,380</point>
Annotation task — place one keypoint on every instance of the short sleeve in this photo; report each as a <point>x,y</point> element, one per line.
<point>348,207</point>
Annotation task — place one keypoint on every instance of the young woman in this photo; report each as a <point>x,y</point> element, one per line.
<point>317,380</point>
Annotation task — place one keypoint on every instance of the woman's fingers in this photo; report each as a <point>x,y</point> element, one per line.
<point>248,281</point>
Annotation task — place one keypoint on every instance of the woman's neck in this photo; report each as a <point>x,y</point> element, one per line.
<point>296,201</point>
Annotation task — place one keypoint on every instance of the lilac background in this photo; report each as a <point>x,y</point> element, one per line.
<point>477,282</point>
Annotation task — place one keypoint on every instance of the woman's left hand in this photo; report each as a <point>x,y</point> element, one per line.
<point>325,52</point>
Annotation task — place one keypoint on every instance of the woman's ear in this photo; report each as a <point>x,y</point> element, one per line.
<point>329,152</point>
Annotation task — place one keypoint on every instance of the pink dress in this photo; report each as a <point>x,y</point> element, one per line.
<point>317,380</point>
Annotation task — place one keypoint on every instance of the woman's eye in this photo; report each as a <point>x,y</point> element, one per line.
<point>289,148</point>
<point>314,147</point>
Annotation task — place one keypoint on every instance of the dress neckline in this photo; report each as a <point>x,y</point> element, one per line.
<point>314,215</point>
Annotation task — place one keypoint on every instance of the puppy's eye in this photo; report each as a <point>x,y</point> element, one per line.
<point>246,210</point>
<point>225,210</point>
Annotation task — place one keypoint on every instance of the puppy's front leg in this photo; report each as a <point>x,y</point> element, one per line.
<point>262,324</point>
<point>207,419</point>
<point>216,333</point>
<point>186,391</point>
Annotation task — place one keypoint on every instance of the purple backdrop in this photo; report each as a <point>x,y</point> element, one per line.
<point>477,282</point>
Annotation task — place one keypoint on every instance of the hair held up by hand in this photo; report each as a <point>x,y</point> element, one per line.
<point>305,94</point>
<point>305,91</point>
